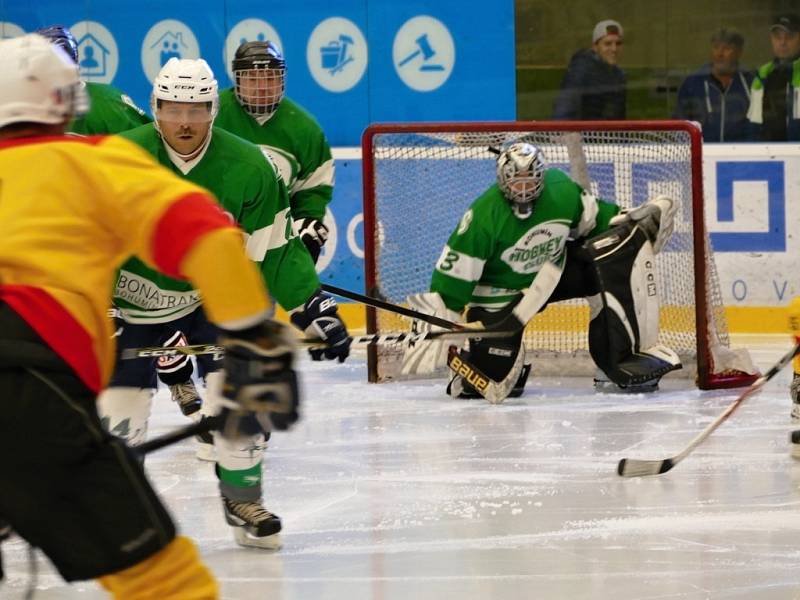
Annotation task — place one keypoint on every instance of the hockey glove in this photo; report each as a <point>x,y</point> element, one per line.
<point>656,217</point>
<point>319,319</point>
<point>313,234</point>
<point>259,377</point>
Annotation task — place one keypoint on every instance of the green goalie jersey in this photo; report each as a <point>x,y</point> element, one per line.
<point>110,111</point>
<point>298,147</point>
<point>249,189</point>
<point>492,254</point>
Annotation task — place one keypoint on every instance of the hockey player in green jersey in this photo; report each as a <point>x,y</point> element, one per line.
<point>155,307</point>
<point>111,111</point>
<point>534,215</point>
<point>257,110</point>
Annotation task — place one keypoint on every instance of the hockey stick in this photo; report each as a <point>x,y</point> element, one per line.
<point>376,338</point>
<point>388,306</point>
<point>205,425</point>
<point>631,467</point>
<point>533,298</point>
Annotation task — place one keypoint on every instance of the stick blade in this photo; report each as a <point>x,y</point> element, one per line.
<point>631,467</point>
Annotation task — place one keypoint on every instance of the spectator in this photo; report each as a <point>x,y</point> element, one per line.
<point>774,104</point>
<point>594,86</point>
<point>718,95</point>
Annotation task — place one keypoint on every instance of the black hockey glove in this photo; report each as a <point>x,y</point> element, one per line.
<point>259,377</point>
<point>313,234</point>
<point>319,319</point>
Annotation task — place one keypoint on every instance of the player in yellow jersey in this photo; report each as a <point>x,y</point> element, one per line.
<point>71,210</point>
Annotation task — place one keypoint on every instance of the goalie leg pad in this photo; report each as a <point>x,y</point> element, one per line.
<point>623,335</point>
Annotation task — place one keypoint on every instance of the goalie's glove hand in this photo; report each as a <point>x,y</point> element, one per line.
<point>259,373</point>
<point>656,217</point>
<point>319,319</point>
<point>312,233</point>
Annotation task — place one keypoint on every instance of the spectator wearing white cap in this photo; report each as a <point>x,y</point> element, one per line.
<point>594,86</point>
<point>775,93</point>
<point>718,94</point>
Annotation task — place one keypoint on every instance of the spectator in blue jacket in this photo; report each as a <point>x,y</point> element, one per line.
<point>718,95</point>
<point>594,86</point>
<point>775,93</point>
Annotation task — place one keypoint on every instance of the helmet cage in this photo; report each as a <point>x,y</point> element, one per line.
<point>520,176</point>
<point>259,74</point>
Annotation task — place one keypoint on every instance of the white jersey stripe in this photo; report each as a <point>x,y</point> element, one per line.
<point>323,175</point>
<point>459,265</point>
<point>268,238</point>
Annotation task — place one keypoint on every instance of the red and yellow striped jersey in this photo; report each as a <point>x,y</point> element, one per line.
<point>72,209</point>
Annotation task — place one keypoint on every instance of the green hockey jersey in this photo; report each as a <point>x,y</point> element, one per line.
<point>249,189</point>
<point>298,147</point>
<point>110,111</point>
<point>492,254</point>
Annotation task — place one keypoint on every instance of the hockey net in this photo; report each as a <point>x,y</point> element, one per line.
<point>420,178</point>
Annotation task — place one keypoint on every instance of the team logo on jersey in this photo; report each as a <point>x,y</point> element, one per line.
<point>543,242</point>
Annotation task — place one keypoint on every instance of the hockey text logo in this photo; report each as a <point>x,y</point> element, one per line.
<point>470,375</point>
<point>544,242</point>
<point>143,293</point>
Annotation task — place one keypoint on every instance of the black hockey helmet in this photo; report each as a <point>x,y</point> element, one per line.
<point>259,74</point>
<point>257,55</point>
<point>61,36</point>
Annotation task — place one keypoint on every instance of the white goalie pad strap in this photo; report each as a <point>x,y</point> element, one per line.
<point>645,295</point>
<point>124,412</point>
<point>664,353</point>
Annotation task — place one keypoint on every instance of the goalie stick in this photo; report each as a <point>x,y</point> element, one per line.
<point>495,392</point>
<point>631,467</point>
<point>376,338</point>
<point>532,300</point>
<point>388,306</point>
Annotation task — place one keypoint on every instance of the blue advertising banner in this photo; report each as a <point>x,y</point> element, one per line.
<point>350,63</point>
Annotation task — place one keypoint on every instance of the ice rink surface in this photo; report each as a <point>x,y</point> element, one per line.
<point>396,492</point>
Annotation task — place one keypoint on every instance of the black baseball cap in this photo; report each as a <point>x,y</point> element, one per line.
<point>788,22</point>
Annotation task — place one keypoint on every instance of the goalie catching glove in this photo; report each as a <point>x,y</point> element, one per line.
<point>259,375</point>
<point>656,217</point>
<point>319,318</point>
<point>313,234</point>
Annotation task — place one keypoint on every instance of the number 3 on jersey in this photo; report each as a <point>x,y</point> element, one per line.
<point>446,263</point>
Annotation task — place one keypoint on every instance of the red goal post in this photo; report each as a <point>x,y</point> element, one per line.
<point>419,178</point>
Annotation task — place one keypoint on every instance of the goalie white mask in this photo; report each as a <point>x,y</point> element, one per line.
<point>39,83</point>
<point>520,176</point>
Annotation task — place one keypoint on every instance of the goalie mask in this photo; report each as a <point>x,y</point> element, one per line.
<point>39,83</point>
<point>259,73</point>
<point>520,176</point>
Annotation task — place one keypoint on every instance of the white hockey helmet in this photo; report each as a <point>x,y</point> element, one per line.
<point>186,80</point>
<point>520,176</point>
<point>39,83</point>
